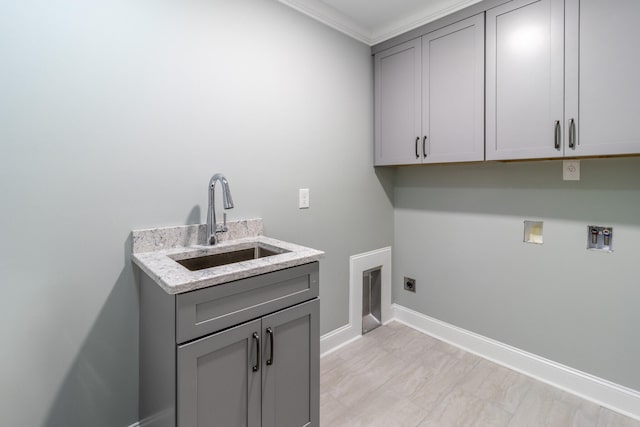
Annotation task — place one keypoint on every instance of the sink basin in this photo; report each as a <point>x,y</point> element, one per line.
<point>228,257</point>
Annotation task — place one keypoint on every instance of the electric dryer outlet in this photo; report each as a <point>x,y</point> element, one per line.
<point>409,284</point>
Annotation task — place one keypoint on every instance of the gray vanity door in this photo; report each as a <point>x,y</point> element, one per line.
<point>291,367</point>
<point>525,80</point>
<point>398,109</point>
<point>217,385</point>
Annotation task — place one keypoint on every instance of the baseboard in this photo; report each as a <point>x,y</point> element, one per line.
<point>337,338</point>
<point>602,392</point>
<point>135,425</point>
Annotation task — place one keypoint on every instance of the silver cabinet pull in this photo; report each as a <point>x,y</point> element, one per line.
<point>273,344</point>
<point>256,338</point>
<point>572,134</point>
<point>557,135</point>
<point>417,154</point>
<point>424,150</point>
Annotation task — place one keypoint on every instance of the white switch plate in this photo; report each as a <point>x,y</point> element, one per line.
<point>303,198</point>
<point>571,170</point>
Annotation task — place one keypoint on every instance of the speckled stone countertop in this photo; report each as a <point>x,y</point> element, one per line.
<point>155,251</point>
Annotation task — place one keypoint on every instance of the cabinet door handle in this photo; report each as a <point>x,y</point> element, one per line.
<point>572,134</point>
<point>557,135</point>
<point>424,149</point>
<point>273,344</point>
<point>256,338</point>
<point>417,154</point>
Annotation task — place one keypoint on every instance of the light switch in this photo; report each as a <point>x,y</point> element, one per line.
<point>303,198</point>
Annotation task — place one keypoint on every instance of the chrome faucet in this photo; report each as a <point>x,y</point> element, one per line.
<point>227,202</point>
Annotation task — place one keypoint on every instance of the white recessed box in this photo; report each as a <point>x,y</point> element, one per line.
<point>533,232</point>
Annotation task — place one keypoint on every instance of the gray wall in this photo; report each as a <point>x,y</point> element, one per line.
<point>113,116</point>
<point>459,232</point>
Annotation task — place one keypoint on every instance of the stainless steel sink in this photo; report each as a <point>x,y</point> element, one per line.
<point>228,257</point>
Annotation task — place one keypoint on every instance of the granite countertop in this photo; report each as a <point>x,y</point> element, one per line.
<point>155,251</point>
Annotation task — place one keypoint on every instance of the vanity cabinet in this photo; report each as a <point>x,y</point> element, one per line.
<point>243,353</point>
<point>561,79</point>
<point>429,97</point>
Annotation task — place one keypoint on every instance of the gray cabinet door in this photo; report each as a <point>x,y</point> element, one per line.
<point>291,367</point>
<point>217,384</point>
<point>398,104</point>
<point>602,44</point>
<point>453,92</point>
<point>525,80</point>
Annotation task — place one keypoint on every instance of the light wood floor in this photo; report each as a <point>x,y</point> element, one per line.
<point>396,376</point>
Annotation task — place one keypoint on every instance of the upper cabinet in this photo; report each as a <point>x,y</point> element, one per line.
<point>561,79</point>
<point>429,97</point>
<point>603,65</point>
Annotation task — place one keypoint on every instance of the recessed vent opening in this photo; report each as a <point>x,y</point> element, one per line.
<point>371,299</point>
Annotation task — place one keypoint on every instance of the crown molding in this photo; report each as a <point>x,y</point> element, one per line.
<point>335,19</point>
<point>425,16</point>
<point>331,17</point>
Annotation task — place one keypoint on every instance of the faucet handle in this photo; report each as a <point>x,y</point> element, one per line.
<point>222,228</point>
